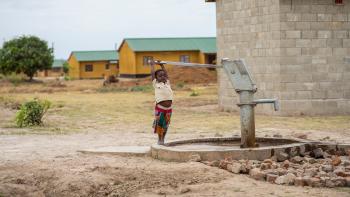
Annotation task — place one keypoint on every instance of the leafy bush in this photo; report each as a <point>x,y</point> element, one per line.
<point>180,85</point>
<point>32,112</point>
<point>194,93</point>
<point>66,78</point>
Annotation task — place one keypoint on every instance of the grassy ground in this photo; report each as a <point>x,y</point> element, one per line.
<point>104,108</point>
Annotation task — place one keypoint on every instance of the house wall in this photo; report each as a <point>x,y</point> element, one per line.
<point>127,61</point>
<point>74,68</point>
<point>99,70</point>
<point>249,29</point>
<point>295,50</point>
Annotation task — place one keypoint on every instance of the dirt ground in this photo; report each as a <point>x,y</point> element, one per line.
<point>43,161</point>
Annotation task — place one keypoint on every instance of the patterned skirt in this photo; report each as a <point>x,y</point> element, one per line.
<point>162,120</point>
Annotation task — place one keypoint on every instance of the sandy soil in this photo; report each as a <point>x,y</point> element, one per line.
<point>42,165</point>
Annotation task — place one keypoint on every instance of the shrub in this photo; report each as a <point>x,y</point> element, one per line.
<point>32,112</point>
<point>180,85</point>
<point>194,93</point>
<point>67,78</point>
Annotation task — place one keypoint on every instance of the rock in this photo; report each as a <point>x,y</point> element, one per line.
<point>326,168</point>
<point>274,166</point>
<point>281,171</point>
<point>282,156</point>
<point>300,135</point>
<point>214,163</point>
<point>347,179</point>
<point>339,181</point>
<point>346,163</point>
<point>257,174</point>
<point>296,159</point>
<point>287,179</point>
<point>311,172</point>
<point>315,182</point>
<point>271,178</point>
<point>277,135</point>
<point>285,164</point>
<point>312,161</point>
<point>326,155</point>
<point>234,168</point>
<point>322,174</point>
<point>268,161</point>
<point>244,169</point>
<point>317,153</point>
<point>294,152</point>
<point>223,164</point>
<point>336,161</point>
<point>185,190</point>
<point>342,173</point>
<point>299,181</point>
<point>265,166</point>
<point>195,158</point>
<point>274,158</point>
<point>280,180</point>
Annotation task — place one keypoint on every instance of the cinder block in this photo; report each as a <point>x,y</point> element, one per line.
<point>287,95</point>
<point>308,17</point>
<point>333,94</point>
<point>341,51</point>
<point>319,43</point>
<point>309,34</point>
<point>324,34</point>
<point>346,43</point>
<point>293,34</point>
<point>288,43</point>
<point>304,77</point>
<point>303,95</point>
<point>302,25</point>
<point>335,43</point>
<point>303,43</point>
<point>318,94</point>
<point>340,34</point>
<point>339,17</point>
<point>290,52</point>
<point>324,17</point>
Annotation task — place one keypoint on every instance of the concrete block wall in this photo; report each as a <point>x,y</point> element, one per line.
<point>295,50</point>
<point>249,29</point>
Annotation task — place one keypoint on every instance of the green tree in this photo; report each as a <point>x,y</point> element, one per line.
<point>66,67</point>
<point>25,54</point>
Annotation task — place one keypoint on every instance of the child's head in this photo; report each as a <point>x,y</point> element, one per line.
<point>161,75</point>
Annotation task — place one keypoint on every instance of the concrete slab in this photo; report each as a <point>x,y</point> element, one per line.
<point>119,150</point>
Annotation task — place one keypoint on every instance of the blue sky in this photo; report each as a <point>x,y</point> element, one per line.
<point>101,24</point>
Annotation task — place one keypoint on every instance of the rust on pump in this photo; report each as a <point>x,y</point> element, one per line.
<point>245,87</point>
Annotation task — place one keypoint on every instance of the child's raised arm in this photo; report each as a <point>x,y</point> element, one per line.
<point>152,70</point>
<point>163,68</point>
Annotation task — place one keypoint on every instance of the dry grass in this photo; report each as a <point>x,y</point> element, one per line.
<point>79,110</point>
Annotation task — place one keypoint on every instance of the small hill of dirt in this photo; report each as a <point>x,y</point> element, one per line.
<point>192,75</point>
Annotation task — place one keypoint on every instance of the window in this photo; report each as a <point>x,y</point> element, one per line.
<point>146,60</point>
<point>89,68</point>
<point>184,58</point>
<point>107,67</point>
<point>338,2</point>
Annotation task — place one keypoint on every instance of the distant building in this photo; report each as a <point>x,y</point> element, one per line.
<point>135,52</point>
<point>93,64</point>
<point>55,71</point>
<point>297,51</point>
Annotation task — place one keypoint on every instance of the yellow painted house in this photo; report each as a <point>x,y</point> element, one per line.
<point>134,53</point>
<point>93,64</point>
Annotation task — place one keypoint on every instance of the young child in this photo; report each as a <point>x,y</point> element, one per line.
<point>164,98</point>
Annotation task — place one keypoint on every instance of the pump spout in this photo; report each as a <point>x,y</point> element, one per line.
<point>275,102</point>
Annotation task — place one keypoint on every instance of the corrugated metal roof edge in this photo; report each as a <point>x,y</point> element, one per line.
<point>124,40</point>
<point>70,55</point>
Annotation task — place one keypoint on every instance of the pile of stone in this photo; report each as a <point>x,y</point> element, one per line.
<point>316,168</point>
